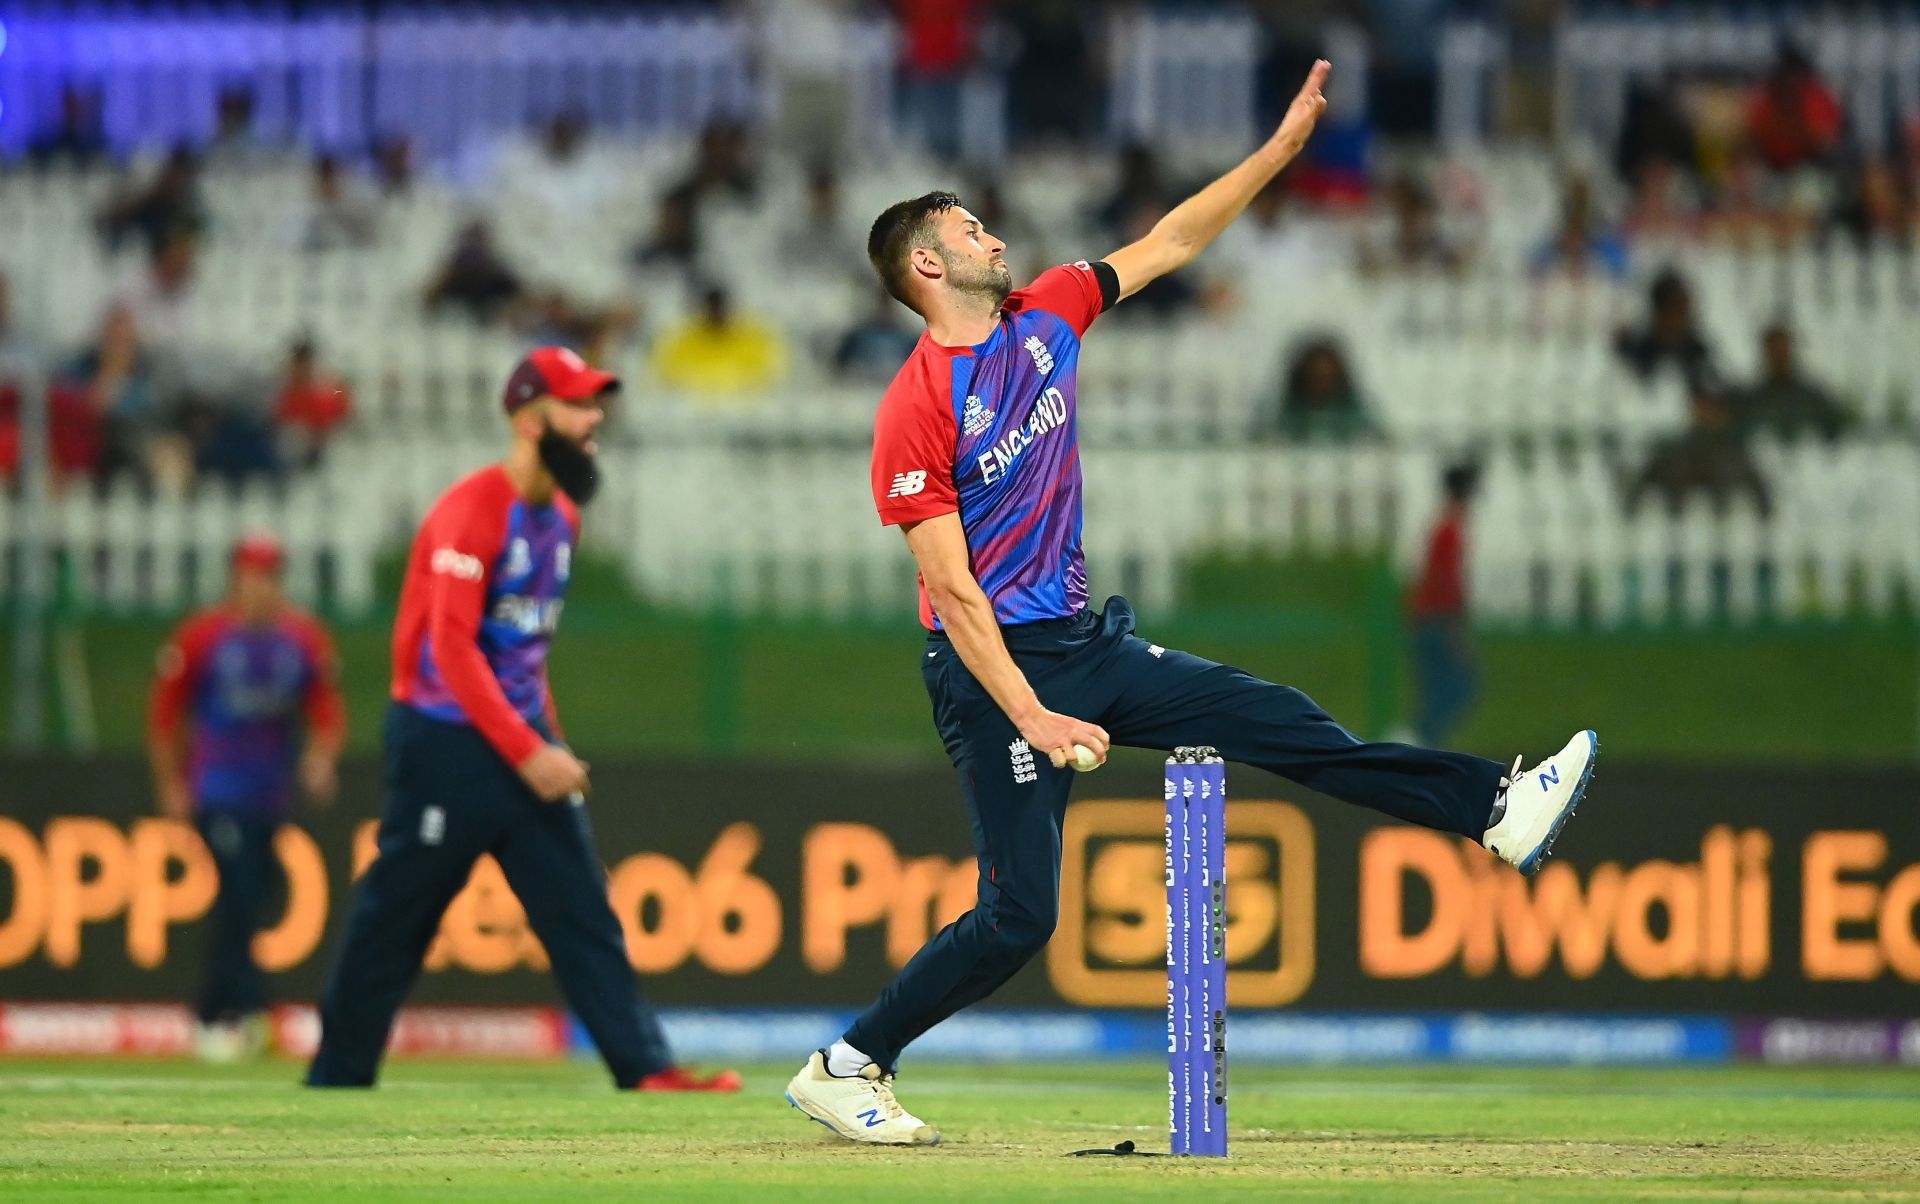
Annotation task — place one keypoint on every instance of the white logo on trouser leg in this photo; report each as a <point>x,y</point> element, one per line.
<point>1022,758</point>
<point>433,825</point>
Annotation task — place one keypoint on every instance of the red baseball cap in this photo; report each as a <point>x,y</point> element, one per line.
<point>556,372</point>
<point>259,551</point>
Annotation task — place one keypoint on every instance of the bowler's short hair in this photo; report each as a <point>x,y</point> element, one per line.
<point>898,231</point>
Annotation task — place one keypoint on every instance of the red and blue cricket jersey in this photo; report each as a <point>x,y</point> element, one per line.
<point>990,431</point>
<point>246,691</point>
<point>485,585</point>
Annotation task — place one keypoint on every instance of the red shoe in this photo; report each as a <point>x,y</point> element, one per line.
<point>679,1078</point>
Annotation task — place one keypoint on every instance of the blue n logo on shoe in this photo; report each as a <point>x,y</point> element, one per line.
<point>872,1117</point>
<point>1550,776</point>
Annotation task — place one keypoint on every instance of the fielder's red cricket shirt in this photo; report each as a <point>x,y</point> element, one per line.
<point>246,691</point>
<point>484,588</point>
<point>1441,591</point>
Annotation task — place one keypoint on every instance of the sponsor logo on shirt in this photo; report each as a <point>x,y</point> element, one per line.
<point>1042,357</point>
<point>906,484</point>
<point>976,417</point>
<point>457,564</point>
<point>563,561</point>
<point>1049,414</point>
<point>528,616</point>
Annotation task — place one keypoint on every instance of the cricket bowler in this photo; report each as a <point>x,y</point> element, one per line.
<point>976,460</point>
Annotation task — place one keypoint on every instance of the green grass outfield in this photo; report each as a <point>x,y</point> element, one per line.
<point>108,1129</point>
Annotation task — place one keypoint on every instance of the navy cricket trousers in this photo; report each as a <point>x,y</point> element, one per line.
<point>241,842</point>
<point>450,799</point>
<point>1093,667</point>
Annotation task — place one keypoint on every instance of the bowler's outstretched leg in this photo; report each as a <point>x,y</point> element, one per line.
<point>1177,698</point>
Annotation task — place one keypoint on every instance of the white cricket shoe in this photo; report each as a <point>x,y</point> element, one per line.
<point>225,1042</point>
<point>220,1044</point>
<point>858,1109</point>
<point>1539,802</point>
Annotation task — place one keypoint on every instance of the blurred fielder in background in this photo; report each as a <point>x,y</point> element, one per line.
<point>235,686</point>
<point>1446,674</point>
<point>475,763</point>
<point>976,458</point>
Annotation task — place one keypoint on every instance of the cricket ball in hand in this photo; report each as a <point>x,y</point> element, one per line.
<point>1085,759</point>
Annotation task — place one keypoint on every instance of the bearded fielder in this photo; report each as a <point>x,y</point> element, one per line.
<point>475,762</point>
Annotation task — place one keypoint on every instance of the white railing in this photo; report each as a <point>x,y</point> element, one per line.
<point>1552,543</point>
<point>126,553</point>
<point>792,531</point>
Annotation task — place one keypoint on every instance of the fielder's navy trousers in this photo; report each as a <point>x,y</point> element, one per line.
<point>241,841</point>
<point>450,799</point>
<point>1093,667</point>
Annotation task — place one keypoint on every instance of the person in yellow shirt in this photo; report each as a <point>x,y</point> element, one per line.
<point>720,352</point>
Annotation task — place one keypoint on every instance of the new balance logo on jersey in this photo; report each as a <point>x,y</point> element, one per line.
<point>906,484</point>
<point>1042,358</point>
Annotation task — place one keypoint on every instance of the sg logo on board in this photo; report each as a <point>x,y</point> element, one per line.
<point>1110,949</point>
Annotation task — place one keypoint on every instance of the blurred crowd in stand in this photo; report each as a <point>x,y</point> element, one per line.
<point>1755,162</point>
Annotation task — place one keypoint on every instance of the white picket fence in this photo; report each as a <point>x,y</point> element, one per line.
<point>1552,543</point>
<point>128,554</point>
<point>791,531</point>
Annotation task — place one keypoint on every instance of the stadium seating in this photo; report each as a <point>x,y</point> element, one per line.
<point>1871,57</point>
<point>1491,362</point>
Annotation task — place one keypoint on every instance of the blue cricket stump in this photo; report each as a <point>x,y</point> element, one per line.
<point>1196,797</point>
